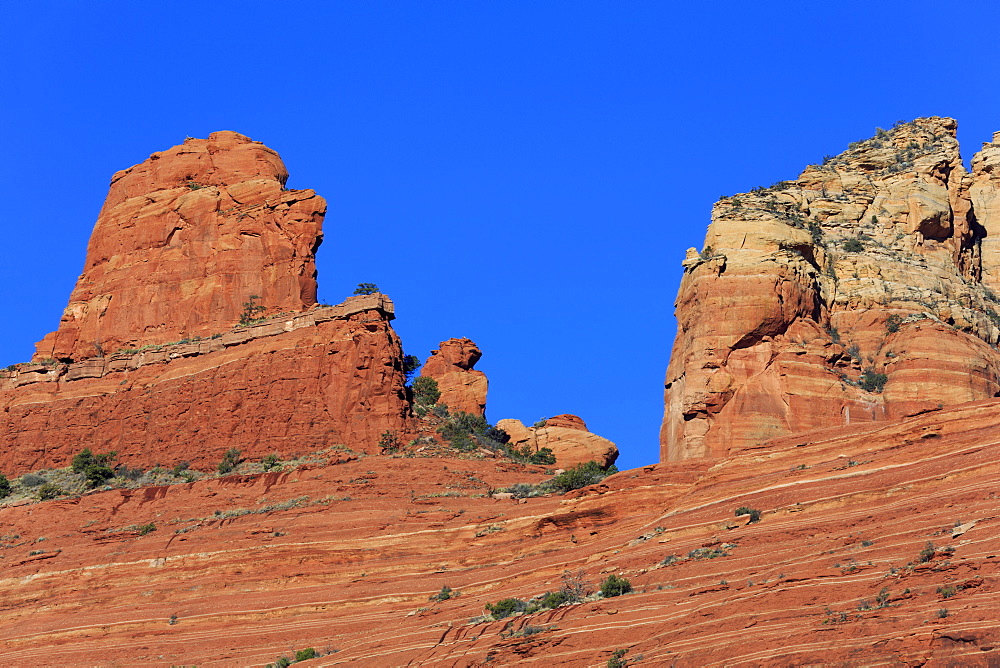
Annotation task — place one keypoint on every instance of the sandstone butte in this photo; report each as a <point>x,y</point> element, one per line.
<point>864,290</point>
<point>876,543</point>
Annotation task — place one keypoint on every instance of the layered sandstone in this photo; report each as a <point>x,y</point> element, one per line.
<point>329,377</point>
<point>463,388</point>
<point>566,436</point>
<point>877,262</point>
<point>187,244</point>
<point>876,545</point>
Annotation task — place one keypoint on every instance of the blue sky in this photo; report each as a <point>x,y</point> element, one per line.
<point>525,174</point>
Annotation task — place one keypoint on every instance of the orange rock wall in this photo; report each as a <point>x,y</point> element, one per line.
<point>786,311</point>
<point>183,241</point>
<point>336,382</point>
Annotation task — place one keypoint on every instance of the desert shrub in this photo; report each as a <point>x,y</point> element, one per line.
<point>443,595</point>
<point>947,591</point>
<point>752,512</point>
<point>96,468</point>
<point>872,381</point>
<point>230,460</point>
<point>618,659</point>
<point>49,491</point>
<point>468,431</point>
<point>579,476</point>
<point>854,245</point>
<point>4,486</point>
<point>553,599</point>
<point>270,461</point>
<point>544,457</point>
<point>506,607</point>
<point>615,586</point>
<point>126,473</point>
<point>305,654</point>
<point>366,289</point>
<point>893,322</point>
<point>942,613</point>
<point>388,442</point>
<point>33,480</point>
<point>252,311</point>
<point>426,391</point>
<point>146,528</point>
<point>927,553</point>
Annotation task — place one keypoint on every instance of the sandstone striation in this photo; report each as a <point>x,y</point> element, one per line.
<point>463,388</point>
<point>187,244</point>
<point>876,544</point>
<point>568,438</point>
<point>329,377</point>
<point>862,290</point>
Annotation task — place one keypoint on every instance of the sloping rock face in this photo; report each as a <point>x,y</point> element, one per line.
<point>568,438</point>
<point>877,544</point>
<point>864,290</point>
<point>185,241</point>
<point>462,387</point>
<point>327,378</point>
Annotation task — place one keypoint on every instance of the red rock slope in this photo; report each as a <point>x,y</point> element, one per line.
<point>183,242</point>
<point>345,556</point>
<point>876,270</point>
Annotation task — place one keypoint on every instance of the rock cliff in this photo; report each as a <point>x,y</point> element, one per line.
<point>566,436</point>
<point>187,244</point>
<point>864,290</point>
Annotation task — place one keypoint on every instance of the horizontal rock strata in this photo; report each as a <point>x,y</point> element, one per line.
<point>865,289</point>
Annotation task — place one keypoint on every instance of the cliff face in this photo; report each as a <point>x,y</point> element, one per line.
<point>864,290</point>
<point>184,242</point>
<point>150,358</point>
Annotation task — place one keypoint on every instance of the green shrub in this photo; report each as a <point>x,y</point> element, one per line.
<point>4,486</point>
<point>252,311</point>
<point>49,491</point>
<point>366,289</point>
<point>618,659</point>
<point>752,512</point>
<point>305,654</point>
<point>893,322</point>
<point>506,607</point>
<point>426,391</point>
<point>230,460</point>
<point>146,528</point>
<point>579,476</point>
<point>443,595</point>
<point>871,381</point>
<point>410,365</point>
<point>615,586</point>
<point>543,457</point>
<point>553,599</point>
<point>854,245</point>
<point>947,591</point>
<point>270,461</point>
<point>927,553</point>
<point>95,467</point>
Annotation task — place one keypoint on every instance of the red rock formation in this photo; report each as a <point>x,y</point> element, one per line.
<point>566,436</point>
<point>462,387</point>
<point>331,377</point>
<point>245,569</point>
<point>182,244</point>
<point>808,290</point>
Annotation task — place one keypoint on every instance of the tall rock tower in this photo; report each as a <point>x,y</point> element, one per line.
<point>184,241</point>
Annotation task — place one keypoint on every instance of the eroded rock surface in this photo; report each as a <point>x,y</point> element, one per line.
<point>185,241</point>
<point>863,290</point>
<point>463,388</point>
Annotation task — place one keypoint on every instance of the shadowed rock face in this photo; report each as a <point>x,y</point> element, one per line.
<point>184,241</point>
<point>883,260</point>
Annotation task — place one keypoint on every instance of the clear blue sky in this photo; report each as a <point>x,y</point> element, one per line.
<point>527,174</point>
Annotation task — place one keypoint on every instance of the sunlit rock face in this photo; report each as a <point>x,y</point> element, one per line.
<point>863,290</point>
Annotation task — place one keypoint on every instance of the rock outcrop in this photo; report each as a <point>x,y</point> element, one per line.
<point>463,388</point>
<point>566,436</point>
<point>327,378</point>
<point>864,290</point>
<point>193,328</point>
<point>189,243</point>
